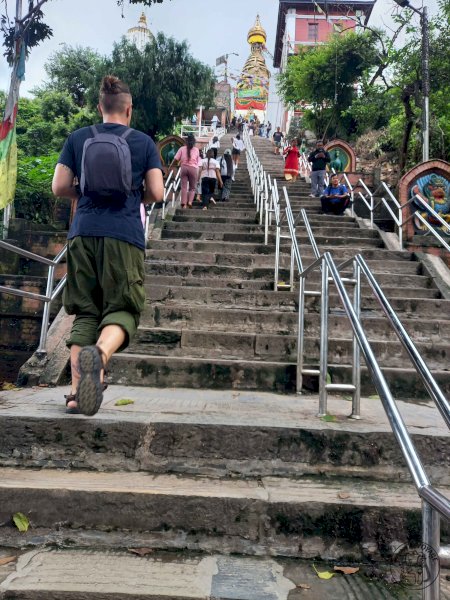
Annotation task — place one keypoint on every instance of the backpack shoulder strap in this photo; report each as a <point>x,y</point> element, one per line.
<point>94,130</point>
<point>126,133</point>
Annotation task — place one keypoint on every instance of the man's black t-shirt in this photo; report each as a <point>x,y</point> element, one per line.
<point>319,163</point>
<point>106,218</point>
<point>277,137</point>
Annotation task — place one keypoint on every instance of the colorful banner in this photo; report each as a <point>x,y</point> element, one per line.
<point>252,93</point>
<point>247,104</point>
<point>8,141</point>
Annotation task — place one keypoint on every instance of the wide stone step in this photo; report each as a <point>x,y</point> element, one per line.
<point>410,306</point>
<point>271,514</point>
<point>267,285</point>
<point>218,433</point>
<point>359,240</point>
<point>269,376</point>
<point>187,269</point>
<point>214,246</point>
<point>317,224</point>
<point>273,347</point>
<point>227,210</point>
<point>263,260</point>
<point>207,318</point>
<point>55,574</point>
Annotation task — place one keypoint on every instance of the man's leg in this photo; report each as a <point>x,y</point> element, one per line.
<point>111,339</point>
<point>320,182</point>
<point>314,183</point>
<point>121,276</point>
<point>184,187</point>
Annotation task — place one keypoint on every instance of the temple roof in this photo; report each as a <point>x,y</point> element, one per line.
<point>257,33</point>
<point>255,65</point>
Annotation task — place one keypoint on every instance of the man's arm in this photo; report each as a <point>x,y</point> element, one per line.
<point>154,186</point>
<point>62,184</point>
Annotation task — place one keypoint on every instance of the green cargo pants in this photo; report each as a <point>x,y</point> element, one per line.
<point>105,286</point>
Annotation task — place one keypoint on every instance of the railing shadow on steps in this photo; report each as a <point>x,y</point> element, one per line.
<point>434,504</point>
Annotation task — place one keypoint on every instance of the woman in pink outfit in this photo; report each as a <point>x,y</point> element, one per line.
<point>188,157</point>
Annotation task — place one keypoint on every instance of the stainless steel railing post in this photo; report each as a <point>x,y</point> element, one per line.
<point>431,541</point>
<point>323,394</point>
<point>291,274</point>
<point>356,367</point>
<point>277,256</point>
<point>300,335</point>
<point>42,350</point>
<point>266,224</point>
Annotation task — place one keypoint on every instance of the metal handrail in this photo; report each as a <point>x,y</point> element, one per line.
<point>434,504</point>
<point>50,294</point>
<point>420,365</point>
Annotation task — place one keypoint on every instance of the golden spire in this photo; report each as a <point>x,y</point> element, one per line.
<point>143,20</point>
<point>257,34</point>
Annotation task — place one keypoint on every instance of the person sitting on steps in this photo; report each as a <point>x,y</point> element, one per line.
<point>335,198</point>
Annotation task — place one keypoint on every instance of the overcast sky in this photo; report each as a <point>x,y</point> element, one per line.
<point>212,28</point>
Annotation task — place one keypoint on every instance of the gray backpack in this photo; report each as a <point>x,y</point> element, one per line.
<point>106,170</point>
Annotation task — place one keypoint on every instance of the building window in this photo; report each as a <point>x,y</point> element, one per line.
<point>313,32</point>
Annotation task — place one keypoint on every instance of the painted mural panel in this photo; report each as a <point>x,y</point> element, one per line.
<point>434,188</point>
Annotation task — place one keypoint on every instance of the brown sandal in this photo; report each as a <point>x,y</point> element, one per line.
<point>91,362</point>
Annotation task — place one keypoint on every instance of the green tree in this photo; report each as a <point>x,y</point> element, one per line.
<point>166,82</point>
<point>325,77</point>
<point>73,70</point>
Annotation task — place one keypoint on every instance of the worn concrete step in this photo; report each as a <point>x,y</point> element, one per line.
<point>210,318</point>
<point>359,240</point>
<point>232,216</point>
<point>270,376</point>
<point>211,217</point>
<point>339,252</point>
<point>282,516</point>
<point>213,257</point>
<point>266,285</point>
<point>218,433</point>
<point>268,300</point>
<point>234,345</point>
<point>109,574</point>
<point>187,269</point>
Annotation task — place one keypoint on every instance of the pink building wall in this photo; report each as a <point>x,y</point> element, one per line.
<point>325,28</point>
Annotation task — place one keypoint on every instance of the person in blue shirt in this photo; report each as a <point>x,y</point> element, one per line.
<point>106,245</point>
<point>335,197</point>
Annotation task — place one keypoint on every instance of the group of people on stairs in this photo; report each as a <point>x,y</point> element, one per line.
<point>201,175</point>
<point>335,197</point>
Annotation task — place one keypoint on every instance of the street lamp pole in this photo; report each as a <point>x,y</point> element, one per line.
<point>226,64</point>
<point>425,83</point>
<point>425,75</point>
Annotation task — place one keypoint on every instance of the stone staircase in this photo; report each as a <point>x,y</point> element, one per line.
<point>212,314</point>
<point>201,477</point>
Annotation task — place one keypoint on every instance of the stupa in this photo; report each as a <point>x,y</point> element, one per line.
<point>140,35</point>
<point>252,90</point>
